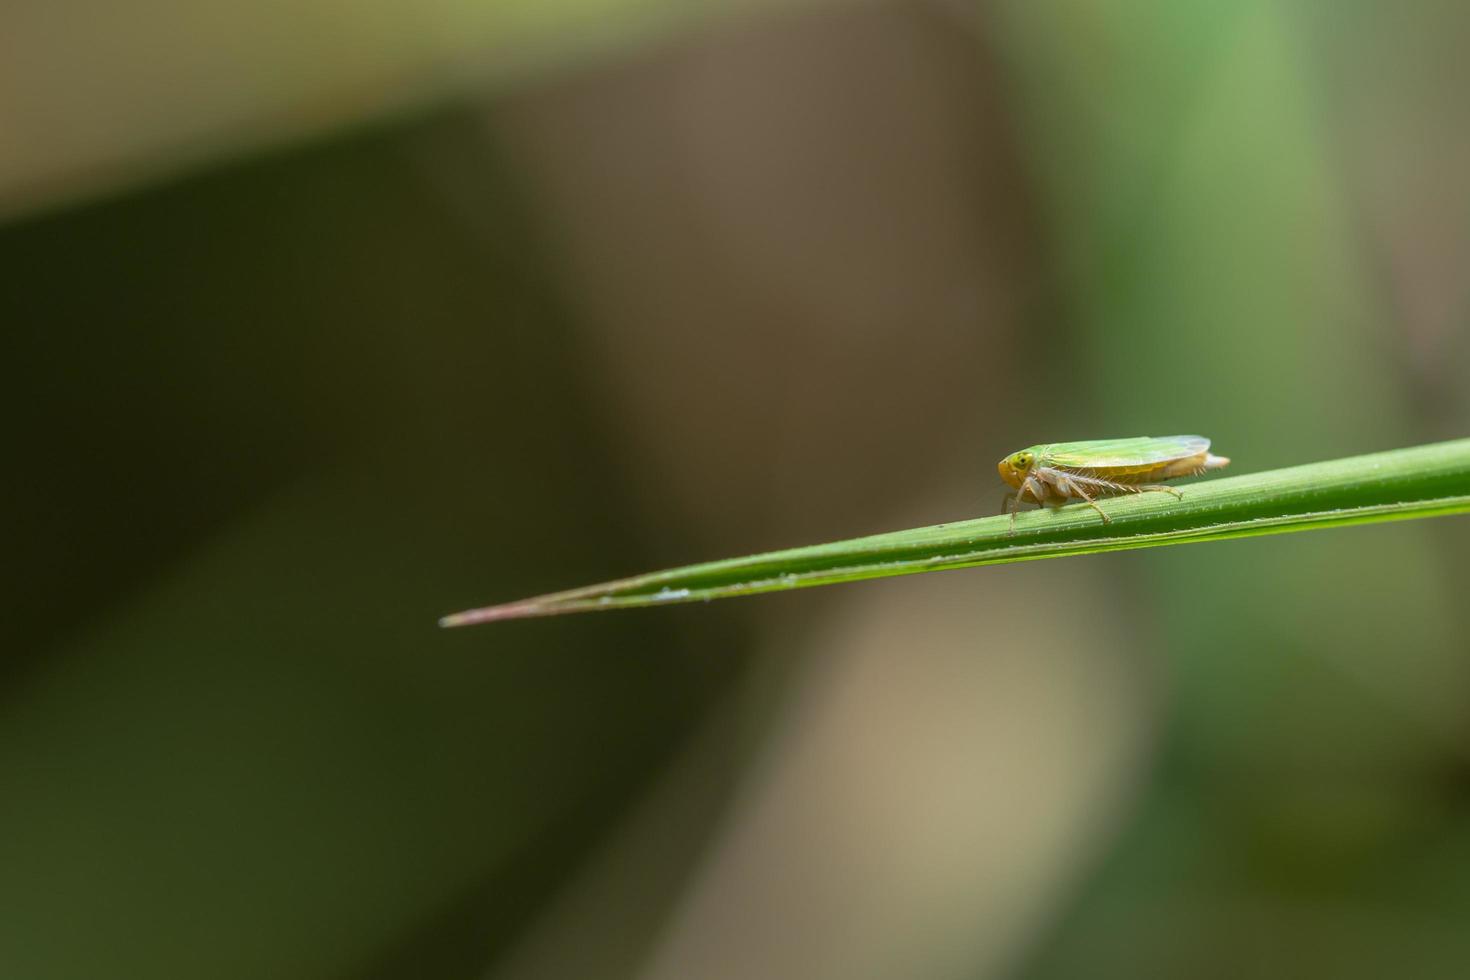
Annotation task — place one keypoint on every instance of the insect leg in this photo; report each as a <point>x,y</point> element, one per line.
<point>1073,488</point>
<point>1178,494</point>
<point>1009,504</point>
<point>1016,499</point>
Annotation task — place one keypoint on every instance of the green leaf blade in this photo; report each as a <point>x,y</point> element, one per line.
<point>1424,481</point>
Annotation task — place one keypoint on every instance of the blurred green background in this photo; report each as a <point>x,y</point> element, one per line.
<point>322,320</point>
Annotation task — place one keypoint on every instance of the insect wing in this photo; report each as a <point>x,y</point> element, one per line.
<point>1115,454</point>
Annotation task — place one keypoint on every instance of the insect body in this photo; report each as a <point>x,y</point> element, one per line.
<point>1062,471</point>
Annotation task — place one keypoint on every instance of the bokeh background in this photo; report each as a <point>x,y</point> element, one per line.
<point>322,319</point>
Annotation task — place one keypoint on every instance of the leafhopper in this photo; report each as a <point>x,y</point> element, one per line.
<point>1061,471</point>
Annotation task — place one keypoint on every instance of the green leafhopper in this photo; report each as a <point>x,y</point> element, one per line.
<point>1061,471</point>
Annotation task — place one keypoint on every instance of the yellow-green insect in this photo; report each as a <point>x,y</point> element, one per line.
<point>1062,471</point>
